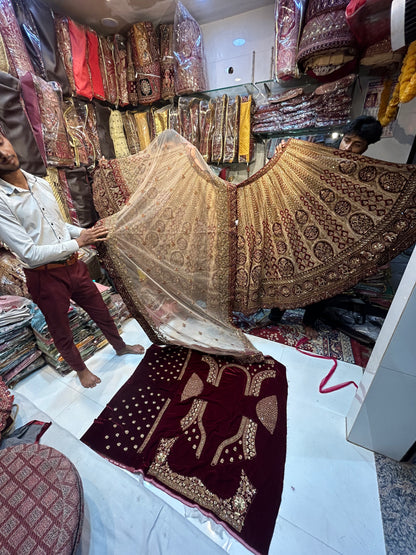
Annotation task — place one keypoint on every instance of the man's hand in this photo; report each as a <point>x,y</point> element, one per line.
<point>92,235</point>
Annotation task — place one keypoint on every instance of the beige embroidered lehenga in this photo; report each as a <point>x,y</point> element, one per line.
<point>187,248</point>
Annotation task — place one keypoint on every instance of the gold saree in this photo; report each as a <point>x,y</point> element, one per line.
<point>187,248</point>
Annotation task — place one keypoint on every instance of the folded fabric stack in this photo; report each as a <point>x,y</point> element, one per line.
<point>87,336</point>
<point>19,353</point>
<point>328,105</point>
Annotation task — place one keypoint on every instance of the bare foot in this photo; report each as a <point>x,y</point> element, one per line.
<point>310,332</point>
<point>131,350</point>
<point>88,379</point>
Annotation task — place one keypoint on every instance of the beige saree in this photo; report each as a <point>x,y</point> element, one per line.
<point>187,248</point>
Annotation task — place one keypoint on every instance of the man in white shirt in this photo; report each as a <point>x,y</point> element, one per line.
<point>32,227</point>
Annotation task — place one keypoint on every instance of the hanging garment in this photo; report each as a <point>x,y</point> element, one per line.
<point>63,40</point>
<point>190,73</point>
<point>189,248</point>
<point>16,125</point>
<point>13,39</point>
<point>30,36</point>
<point>51,55</point>
<point>79,52</point>
<point>145,54</point>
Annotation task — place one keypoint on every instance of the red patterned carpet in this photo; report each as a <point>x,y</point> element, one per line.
<point>207,429</point>
<point>330,342</point>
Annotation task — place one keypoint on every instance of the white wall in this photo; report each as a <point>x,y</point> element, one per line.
<point>382,416</point>
<point>257,28</point>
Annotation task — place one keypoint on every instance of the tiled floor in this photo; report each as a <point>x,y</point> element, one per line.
<point>330,499</point>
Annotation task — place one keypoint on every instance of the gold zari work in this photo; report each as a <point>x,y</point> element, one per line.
<point>189,248</point>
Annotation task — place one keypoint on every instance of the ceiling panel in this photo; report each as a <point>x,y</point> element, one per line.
<point>126,12</point>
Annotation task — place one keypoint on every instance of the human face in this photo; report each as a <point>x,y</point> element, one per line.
<point>353,143</point>
<point>9,161</point>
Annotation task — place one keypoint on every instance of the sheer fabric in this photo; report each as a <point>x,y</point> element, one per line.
<point>189,248</point>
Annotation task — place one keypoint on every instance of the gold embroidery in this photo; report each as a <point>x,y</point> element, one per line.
<point>191,417</point>
<point>232,510</point>
<point>247,432</point>
<point>213,368</point>
<point>258,380</point>
<point>193,388</point>
<point>267,412</point>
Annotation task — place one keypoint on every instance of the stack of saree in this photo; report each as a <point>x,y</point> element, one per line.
<point>188,248</point>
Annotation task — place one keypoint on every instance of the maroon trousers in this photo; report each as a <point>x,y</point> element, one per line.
<point>52,290</point>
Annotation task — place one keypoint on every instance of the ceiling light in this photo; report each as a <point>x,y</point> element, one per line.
<point>237,79</point>
<point>109,22</point>
<point>335,135</point>
<point>239,42</point>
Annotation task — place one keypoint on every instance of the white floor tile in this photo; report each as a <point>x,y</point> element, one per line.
<point>330,488</point>
<point>78,416</point>
<point>288,539</point>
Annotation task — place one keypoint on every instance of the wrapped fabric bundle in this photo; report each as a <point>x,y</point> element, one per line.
<point>62,196</point>
<point>63,40</point>
<point>117,134</point>
<point>30,36</point>
<point>381,55</point>
<point>146,59</point>
<point>51,56</point>
<point>79,186</point>
<point>4,60</point>
<point>174,119</point>
<point>369,20</point>
<point>94,65</point>
<point>327,49</point>
<point>189,54</point>
<point>188,109</point>
<point>232,119</point>
<point>12,277</point>
<point>131,77</point>
<point>17,54</point>
<point>288,21</point>
<point>130,130</point>
<point>220,108</point>
<point>75,128</point>
<point>160,119</point>
<point>59,184</point>
<point>92,132</point>
<point>32,108</point>
<point>17,127</point>
<point>142,124</point>
<point>108,70</point>
<point>79,51</point>
<point>120,59</point>
<point>245,139</point>
<point>102,114</point>
<point>167,61</point>
<point>49,95</point>
<point>206,123</point>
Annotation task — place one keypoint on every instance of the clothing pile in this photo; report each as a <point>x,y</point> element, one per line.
<point>87,336</point>
<point>19,353</point>
<point>328,105</point>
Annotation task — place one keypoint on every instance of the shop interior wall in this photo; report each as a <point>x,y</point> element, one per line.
<point>257,28</point>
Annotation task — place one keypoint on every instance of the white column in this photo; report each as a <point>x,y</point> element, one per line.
<point>382,416</point>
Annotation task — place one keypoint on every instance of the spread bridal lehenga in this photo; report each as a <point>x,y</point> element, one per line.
<point>187,248</point>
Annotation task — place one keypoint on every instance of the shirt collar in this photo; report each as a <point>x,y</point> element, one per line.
<point>9,189</point>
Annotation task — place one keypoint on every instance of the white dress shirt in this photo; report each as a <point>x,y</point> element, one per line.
<point>31,223</point>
